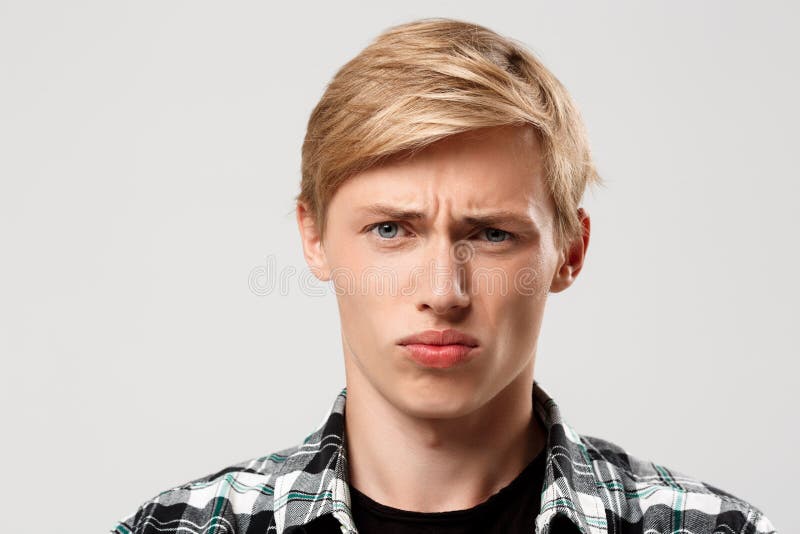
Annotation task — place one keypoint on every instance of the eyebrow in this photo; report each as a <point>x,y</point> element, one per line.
<point>496,217</point>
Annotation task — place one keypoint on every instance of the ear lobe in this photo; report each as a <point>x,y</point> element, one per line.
<point>313,251</point>
<point>562,278</point>
<point>572,258</point>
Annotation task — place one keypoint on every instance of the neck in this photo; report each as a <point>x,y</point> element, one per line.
<point>438,464</point>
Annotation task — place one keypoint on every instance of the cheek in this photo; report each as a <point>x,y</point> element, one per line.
<point>516,281</point>
<point>368,299</point>
<point>533,277</point>
<point>519,307</point>
<point>526,314</point>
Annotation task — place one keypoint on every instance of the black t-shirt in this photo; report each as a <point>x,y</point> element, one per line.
<point>511,510</point>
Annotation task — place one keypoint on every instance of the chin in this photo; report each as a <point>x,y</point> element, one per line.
<point>434,400</point>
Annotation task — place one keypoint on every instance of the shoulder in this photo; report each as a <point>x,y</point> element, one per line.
<point>237,498</point>
<point>652,496</point>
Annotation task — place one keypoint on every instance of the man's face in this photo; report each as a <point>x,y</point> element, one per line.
<point>396,277</point>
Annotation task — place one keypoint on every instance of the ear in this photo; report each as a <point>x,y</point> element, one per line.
<point>313,249</point>
<point>572,256</point>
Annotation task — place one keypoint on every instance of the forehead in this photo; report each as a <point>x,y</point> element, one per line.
<point>499,167</point>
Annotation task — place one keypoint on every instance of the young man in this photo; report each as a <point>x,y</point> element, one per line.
<point>443,170</point>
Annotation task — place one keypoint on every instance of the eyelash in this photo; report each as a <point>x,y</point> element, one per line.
<point>510,236</point>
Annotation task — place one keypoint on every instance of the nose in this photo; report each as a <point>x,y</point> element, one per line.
<point>443,288</point>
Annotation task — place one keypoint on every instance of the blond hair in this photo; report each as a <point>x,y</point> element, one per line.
<point>422,81</point>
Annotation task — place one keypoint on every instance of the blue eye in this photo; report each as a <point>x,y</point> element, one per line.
<point>385,228</point>
<point>495,232</point>
<point>388,230</point>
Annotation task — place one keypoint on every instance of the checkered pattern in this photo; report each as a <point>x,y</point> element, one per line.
<point>591,486</point>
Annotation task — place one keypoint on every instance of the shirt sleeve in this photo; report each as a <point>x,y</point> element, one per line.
<point>127,525</point>
<point>760,524</point>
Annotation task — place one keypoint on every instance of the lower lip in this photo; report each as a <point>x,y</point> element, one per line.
<point>439,356</point>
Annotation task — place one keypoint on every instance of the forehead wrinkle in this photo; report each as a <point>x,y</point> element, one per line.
<point>423,200</point>
<point>420,194</point>
<point>483,217</point>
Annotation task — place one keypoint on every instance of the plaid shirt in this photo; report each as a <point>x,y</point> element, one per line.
<point>591,486</point>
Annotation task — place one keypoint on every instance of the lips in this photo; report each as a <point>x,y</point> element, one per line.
<point>437,337</point>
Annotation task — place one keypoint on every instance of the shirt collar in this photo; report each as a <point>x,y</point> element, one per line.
<point>313,480</point>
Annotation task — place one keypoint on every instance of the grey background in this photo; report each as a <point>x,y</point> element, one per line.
<point>149,155</point>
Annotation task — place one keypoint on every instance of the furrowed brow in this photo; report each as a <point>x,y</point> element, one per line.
<point>391,212</point>
<point>501,217</point>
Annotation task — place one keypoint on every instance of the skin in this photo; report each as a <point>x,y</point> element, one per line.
<point>434,440</point>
